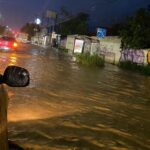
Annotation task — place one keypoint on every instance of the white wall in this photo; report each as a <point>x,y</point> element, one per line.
<point>110,47</point>
<point>70,43</point>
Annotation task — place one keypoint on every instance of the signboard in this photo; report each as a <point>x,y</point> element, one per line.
<point>78,47</point>
<point>51,14</point>
<point>101,32</point>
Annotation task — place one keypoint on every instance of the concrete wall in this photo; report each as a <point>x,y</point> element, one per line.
<point>110,48</point>
<point>88,46</point>
<point>70,43</point>
<point>63,43</point>
<point>41,40</point>
<point>94,48</point>
<point>22,37</point>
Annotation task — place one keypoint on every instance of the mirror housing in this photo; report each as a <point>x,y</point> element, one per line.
<point>15,76</point>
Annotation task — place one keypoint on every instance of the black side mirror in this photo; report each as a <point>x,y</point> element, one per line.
<point>15,76</point>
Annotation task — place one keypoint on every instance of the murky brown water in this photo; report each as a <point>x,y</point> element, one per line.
<point>73,107</point>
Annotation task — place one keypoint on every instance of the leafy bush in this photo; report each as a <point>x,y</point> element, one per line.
<point>74,25</point>
<point>63,49</point>
<point>135,67</point>
<point>90,60</point>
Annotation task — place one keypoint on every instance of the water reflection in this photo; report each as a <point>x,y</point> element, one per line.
<point>13,60</point>
<point>68,106</point>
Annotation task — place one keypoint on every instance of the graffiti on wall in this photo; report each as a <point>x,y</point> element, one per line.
<point>135,56</point>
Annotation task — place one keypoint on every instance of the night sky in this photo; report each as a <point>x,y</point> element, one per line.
<point>16,13</point>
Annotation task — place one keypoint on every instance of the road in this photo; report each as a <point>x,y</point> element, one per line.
<point>72,107</point>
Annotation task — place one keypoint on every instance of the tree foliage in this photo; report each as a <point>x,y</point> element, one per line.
<point>74,25</point>
<point>30,29</point>
<point>114,30</point>
<point>64,12</point>
<point>2,29</point>
<point>136,31</point>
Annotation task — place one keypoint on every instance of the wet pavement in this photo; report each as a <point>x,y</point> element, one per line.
<point>72,107</point>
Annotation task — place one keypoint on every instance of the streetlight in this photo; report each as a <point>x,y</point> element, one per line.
<point>38,21</point>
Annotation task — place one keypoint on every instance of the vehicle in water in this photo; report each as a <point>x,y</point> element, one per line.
<point>8,43</point>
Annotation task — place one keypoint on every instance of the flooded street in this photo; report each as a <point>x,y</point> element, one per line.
<point>73,107</point>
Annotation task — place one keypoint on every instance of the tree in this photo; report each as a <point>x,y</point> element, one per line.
<point>64,12</point>
<point>30,29</point>
<point>148,7</point>
<point>2,29</point>
<point>75,25</point>
<point>136,31</point>
<point>114,30</point>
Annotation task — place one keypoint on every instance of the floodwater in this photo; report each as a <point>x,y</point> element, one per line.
<point>73,107</point>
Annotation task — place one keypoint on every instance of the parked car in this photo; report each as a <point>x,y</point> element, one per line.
<point>8,43</point>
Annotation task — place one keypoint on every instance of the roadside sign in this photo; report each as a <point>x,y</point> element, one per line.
<point>101,32</point>
<point>78,47</point>
<point>51,14</point>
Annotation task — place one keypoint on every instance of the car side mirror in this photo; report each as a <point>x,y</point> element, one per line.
<point>15,76</point>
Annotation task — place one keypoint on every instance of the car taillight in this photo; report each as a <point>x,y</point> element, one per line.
<point>15,44</point>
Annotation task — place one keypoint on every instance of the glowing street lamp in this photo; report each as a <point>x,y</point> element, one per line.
<point>38,21</point>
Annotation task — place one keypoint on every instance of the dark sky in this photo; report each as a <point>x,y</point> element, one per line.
<point>15,13</point>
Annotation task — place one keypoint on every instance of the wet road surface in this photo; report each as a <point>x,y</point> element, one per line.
<point>72,107</point>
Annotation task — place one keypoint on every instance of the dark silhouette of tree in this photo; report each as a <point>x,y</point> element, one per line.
<point>148,7</point>
<point>115,29</point>
<point>2,29</point>
<point>64,12</point>
<point>30,29</point>
<point>136,31</point>
<point>74,25</point>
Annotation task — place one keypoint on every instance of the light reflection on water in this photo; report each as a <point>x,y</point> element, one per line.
<point>68,106</point>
